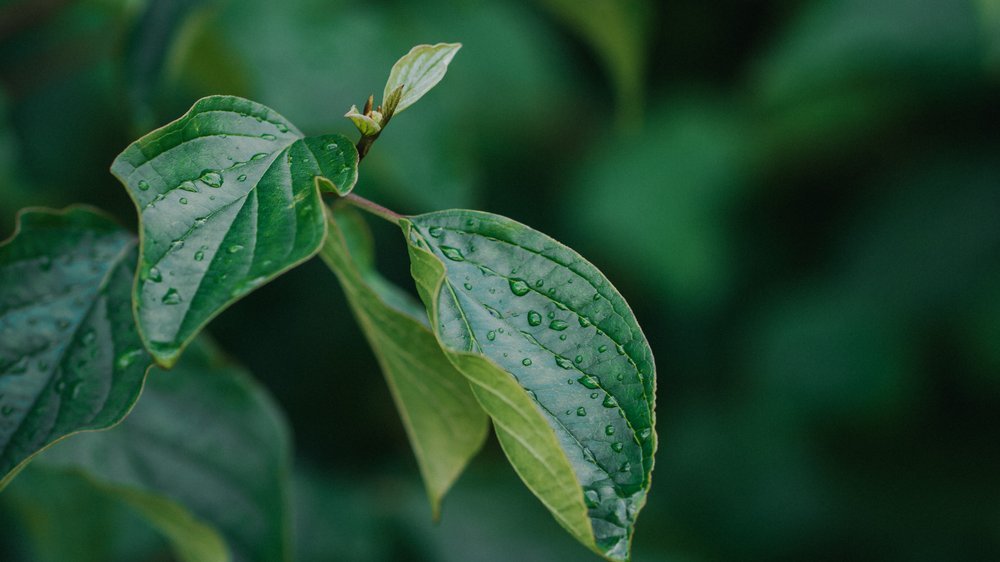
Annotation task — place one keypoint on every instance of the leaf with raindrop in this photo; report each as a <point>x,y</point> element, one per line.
<point>228,198</point>
<point>204,457</point>
<point>555,357</point>
<point>445,424</point>
<point>70,358</point>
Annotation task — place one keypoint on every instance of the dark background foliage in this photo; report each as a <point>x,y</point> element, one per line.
<point>801,200</point>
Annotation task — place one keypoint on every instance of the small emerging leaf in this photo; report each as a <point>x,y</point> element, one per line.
<point>417,72</point>
<point>445,424</point>
<point>228,198</point>
<point>70,359</point>
<point>555,357</point>
<point>368,126</point>
<point>204,457</point>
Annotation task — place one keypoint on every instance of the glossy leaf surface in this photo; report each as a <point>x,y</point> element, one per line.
<point>419,71</point>
<point>228,198</point>
<point>70,359</point>
<point>204,457</point>
<point>445,424</point>
<point>555,357</point>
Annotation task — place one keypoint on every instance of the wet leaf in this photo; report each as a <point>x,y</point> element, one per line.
<point>555,357</point>
<point>228,198</point>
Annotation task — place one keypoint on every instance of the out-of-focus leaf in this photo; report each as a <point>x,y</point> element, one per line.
<point>418,71</point>
<point>618,30</point>
<point>70,358</point>
<point>555,357</point>
<point>665,219</point>
<point>445,424</point>
<point>228,199</point>
<point>204,457</point>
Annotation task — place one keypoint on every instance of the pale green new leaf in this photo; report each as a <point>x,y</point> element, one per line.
<point>419,71</point>
<point>70,359</point>
<point>228,198</point>
<point>204,457</point>
<point>445,424</point>
<point>556,358</point>
<point>365,124</point>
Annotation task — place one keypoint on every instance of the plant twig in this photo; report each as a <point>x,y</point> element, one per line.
<point>373,208</point>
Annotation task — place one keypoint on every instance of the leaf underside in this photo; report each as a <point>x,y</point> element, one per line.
<point>445,424</point>
<point>544,337</point>
<point>204,457</point>
<point>70,359</point>
<point>228,198</point>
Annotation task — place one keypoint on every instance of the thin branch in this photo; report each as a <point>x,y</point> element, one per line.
<point>373,208</point>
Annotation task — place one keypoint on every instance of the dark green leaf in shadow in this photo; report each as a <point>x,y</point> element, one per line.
<point>70,358</point>
<point>204,457</point>
<point>228,198</point>
<point>445,424</point>
<point>555,357</point>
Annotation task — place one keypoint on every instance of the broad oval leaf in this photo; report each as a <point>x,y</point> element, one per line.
<point>417,72</point>
<point>555,357</point>
<point>204,457</point>
<point>70,358</point>
<point>445,424</point>
<point>228,199</point>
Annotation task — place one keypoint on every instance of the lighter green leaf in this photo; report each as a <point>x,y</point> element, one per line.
<point>204,457</point>
<point>445,424</point>
<point>228,198</point>
<point>555,357</point>
<point>365,124</point>
<point>70,359</point>
<point>419,71</point>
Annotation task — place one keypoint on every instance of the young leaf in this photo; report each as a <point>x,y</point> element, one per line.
<point>70,359</point>
<point>555,357</point>
<point>445,424</point>
<point>204,455</point>
<point>228,198</point>
<point>417,72</point>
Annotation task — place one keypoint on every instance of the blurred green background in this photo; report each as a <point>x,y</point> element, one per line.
<point>801,201</point>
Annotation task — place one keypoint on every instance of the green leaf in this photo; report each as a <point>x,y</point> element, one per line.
<point>419,71</point>
<point>555,357</point>
<point>365,124</point>
<point>204,457</point>
<point>228,198</point>
<point>70,359</point>
<point>619,32</point>
<point>445,424</point>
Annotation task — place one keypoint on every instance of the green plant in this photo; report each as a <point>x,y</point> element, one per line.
<point>515,328</point>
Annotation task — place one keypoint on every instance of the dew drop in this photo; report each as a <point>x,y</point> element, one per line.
<point>468,286</point>
<point>563,362</point>
<point>534,318</point>
<point>436,231</point>
<point>199,255</point>
<point>171,297</point>
<point>491,335</point>
<point>526,362</point>
<point>609,430</point>
<point>597,296</point>
<point>589,381</point>
<point>454,254</point>
<point>176,245</point>
<point>183,201</point>
<point>584,322</point>
<point>625,467</point>
<point>558,325</point>
<point>617,446</point>
<point>581,411</point>
<point>154,275</point>
<point>591,498</point>
<point>211,178</point>
<point>620,349</point>
<point>189,186</point>
<point>267,136</point>
<point>519,287</point>
<point>602,348</point>
<point>234,249</point>
<point>241,177</point>
<point>644,434</point>
<point>143,185</point>
<point>594,394</point>
<point>281,127</point>
<point>578,359</point>
<point>331,146</point>
<point>539,283</point>
<point>259,156</point>
<point>562,337</point>
<point>126,359</point>
<point>609,402</point>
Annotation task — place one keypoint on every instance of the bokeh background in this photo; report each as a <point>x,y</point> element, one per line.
<point>800,199</point>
